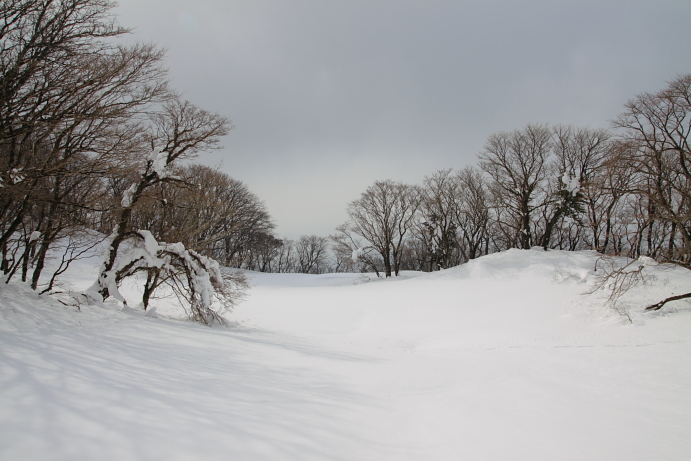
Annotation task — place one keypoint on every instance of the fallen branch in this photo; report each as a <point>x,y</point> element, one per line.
<point>658,306</point>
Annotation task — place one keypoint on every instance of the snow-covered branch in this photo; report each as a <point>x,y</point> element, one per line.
<point>207,291</point>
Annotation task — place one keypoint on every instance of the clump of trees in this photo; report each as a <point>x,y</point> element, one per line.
<point>624,191</point>
<point>310,254</point>
<point>89,132</point>
<point>66,101</point>
<point>382,217</point>
<point>655,152</point>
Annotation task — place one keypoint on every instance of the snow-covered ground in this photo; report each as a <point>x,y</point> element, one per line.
<point>503,358</point>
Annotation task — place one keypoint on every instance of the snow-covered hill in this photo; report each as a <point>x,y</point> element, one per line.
<point>504,358</point>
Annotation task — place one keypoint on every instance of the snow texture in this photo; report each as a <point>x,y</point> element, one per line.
<point>503,358</point>
<point>357,253</point>
<point>571,183</point>
<point>647,261</point>
<point>160,163</point>
<point>16,176</point>
<point>127,196</point>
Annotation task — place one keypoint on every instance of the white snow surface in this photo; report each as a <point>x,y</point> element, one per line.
<point>504,358</point>
<point>127,196</point>
<point>571,183</point>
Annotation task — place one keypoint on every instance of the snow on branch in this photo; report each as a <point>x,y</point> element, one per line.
<point>571,183</point>
<point>195,278</point>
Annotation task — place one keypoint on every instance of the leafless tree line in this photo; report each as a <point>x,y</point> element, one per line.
<point>623,191</point>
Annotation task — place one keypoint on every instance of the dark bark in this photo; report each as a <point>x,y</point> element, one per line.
<point>658,306</point>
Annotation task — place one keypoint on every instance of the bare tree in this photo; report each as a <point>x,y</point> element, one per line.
<point>473,218</point>
<point>211,213</point>
<point>343,255</point>
<point>285,260</point>
<point>537,176</point>
<point>266,251</point>
<point>311,254</point>
<point>383,216</point>
<point>517,163</point>
<point>354,253</point>
<point>78,114</point>
<point>67,101</point>
<point>604,191</point>
<point>180,130</point>
<point>579,156</point>
<point>657,127</point>
<point>436,231</point>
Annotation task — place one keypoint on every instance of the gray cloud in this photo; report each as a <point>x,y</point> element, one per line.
<point>328,96</point>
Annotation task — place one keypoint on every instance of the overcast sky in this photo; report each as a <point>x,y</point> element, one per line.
<point>328,96</point>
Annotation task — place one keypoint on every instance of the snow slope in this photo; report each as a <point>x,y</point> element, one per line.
<point>503,358</point>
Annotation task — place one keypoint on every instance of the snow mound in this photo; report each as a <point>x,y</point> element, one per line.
<point>514,262</point>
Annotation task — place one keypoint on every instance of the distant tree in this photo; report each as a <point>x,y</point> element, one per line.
<point>535,178</point>
<point>517,163</point>
<point>353,253</point>
<point>311,254</point>
<point>436,231</point>
<point>473,218</point>
<point>383,216</point>
<point>211,213</point>
<point>578,155</point>
<point>285,259</point>
<point>266,250</point>
<point>343,254</point>
<point>597,160</point>
<point>656,129</point>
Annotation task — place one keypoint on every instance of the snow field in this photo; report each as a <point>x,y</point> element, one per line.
<point>502,358</point>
